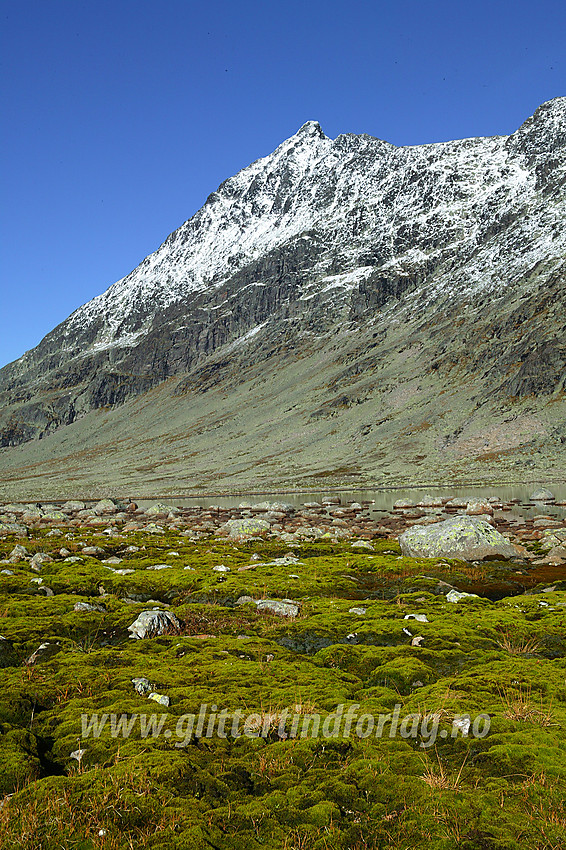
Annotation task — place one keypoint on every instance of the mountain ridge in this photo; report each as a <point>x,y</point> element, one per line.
<point>322,244</point>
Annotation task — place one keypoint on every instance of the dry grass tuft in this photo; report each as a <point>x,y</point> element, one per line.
<point>518,646</point>
<point>439,778</point>
<point>520,706</point>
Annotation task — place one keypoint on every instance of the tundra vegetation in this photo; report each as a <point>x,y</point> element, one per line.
<point>372,629</point>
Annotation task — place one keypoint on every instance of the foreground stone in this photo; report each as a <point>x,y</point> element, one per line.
<point>281,607</point>
<point>152,623</point>
<point>468,538</point>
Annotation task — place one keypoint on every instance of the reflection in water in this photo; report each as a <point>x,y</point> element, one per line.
<point>383,500</point>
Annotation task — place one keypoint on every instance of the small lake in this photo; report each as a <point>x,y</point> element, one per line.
<point>382,501</point>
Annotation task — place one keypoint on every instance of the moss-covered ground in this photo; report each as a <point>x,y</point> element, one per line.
<point>425,785</point>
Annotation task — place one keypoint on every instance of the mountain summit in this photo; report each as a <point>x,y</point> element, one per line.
<point>341,311</point>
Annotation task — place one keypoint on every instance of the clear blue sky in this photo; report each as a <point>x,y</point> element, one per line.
<point>119,118</point>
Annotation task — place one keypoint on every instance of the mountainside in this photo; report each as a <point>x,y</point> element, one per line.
<point>340,312</point>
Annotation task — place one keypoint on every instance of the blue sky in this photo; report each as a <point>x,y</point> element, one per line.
<point>119,118</point>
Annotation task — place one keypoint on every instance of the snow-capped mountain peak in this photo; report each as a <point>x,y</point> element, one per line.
<point>321,239</point>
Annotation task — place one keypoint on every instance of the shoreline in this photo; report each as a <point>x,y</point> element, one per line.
<point>227,494</point>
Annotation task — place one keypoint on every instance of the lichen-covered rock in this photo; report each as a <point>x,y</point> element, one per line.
<point>248,527</point>
<point>159,509</point>
<point>105,506</point>
<point>466,537</point>
<point>456,596</point>
<point>363,544</point>
<point>54,515</point>
<point>18,553</point>
<point>281,607</point>
<point>152,623</point>
<point>93,550</point>
<point>13,528</point>
<point>556,556</point>
<point>162,699</point>
<point>477,507</point>
<point>142,685</point>
<point>71,506</point>
<point>39,559</point>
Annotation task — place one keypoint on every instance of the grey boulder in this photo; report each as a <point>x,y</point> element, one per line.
<point>248,527</point>
<point>542,495</point>
<point>468,538</point>
<point>152,623</point>
<point>281,607</point>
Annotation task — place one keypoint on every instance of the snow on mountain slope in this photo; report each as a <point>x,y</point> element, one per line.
<point>310,182</point>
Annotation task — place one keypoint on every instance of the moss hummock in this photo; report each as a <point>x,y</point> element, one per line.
<point>350,649</point>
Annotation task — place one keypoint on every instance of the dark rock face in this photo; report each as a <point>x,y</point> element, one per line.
<point>462,242</point>
<point>542,372</point>
<point>8,656</point>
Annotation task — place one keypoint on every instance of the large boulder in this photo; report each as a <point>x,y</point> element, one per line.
<point>105,506</point>
<point>71,506</point>
<point>468,538</point>
<point>542,495</point>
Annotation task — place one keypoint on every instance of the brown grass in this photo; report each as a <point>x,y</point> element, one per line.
<point>439,778</point>
<point>520,706</point>
<point>517,645</point>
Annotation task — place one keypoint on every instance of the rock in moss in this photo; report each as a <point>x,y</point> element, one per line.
<point>281,607</point>
<point>456,595</point>
<point>43,653</point>
<point>89,607</point>
<point>142,685</point>
<point>468,538</point>
<point>39,559</point>
<point>152,623</point>
<point>363,544</point>
<point>18,553</point>
<point>162,699</point>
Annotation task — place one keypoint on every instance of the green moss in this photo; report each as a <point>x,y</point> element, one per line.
<point>506,659</point>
